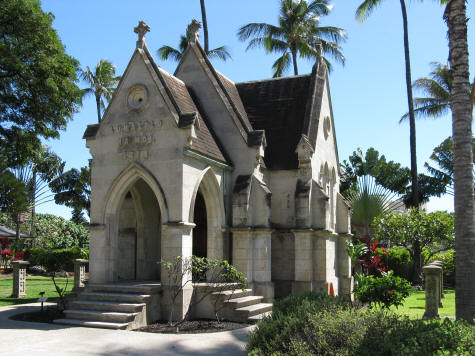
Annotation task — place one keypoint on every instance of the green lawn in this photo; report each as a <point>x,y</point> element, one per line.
<point>414,305</point>
<point>34,285</point>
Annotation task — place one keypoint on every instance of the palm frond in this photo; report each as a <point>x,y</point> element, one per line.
<point>281,65</point>
<point>221,53</point>
<point>319,7</point>
<point>428,108</point>
<point>366,8</point>
<point>275,45</point>
<point>330,33</point>
<point>257,29</point>
<point>167,52</point>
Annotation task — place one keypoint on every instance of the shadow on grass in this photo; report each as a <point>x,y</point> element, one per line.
<point>5,301</point>
<point>417,308</point>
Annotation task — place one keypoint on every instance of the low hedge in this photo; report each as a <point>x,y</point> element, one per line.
<point>321,325</point>
<point>57,259</point>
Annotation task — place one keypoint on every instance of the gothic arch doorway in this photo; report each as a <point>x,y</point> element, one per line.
<point>200,231</point>
<point>138,247</point>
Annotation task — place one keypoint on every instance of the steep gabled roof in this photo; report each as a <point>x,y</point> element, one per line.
<point>278,106</point>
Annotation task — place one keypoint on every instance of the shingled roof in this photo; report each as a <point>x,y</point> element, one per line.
<point>278,106</point>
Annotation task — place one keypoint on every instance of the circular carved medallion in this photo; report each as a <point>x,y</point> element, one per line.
<point>327,127</point>
<point>137,97</point>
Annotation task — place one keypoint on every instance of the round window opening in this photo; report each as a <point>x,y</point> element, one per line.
<point>137,97</point>
<point>327,127</point>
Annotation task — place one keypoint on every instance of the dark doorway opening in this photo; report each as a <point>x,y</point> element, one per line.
<point>200,231</point>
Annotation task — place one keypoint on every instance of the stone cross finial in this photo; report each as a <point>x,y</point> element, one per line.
<point>193,31</point>
<point>319,50</point>
<point>141,30</point>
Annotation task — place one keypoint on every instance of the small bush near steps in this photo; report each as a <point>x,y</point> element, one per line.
<point>314,324</point>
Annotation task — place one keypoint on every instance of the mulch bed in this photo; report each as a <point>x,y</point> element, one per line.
<point>46,316</point>
<point>193,327</point>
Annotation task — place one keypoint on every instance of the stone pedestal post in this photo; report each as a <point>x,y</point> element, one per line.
<point>262,264</point>
<point>177,241</point>
<point>19,278</point>
<point>303,261</point>
<point>432,287</point>
<point>441,265</point>
<point>344,268</point>
<point>79,273</point>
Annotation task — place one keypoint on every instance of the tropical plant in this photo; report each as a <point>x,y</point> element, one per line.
<point>443,156</point>
<point>168,52</point>
<point>102,81</point>
<point>298,33</point>
<point>363,11</point>
<point>415,231</point>
<point>38,91</point>
<point>73,189</point>
<point>461,105</point>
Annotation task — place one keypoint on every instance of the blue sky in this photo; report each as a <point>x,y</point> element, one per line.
<point>368,93</point>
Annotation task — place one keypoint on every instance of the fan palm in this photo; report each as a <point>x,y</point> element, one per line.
<point>298,33</point>
<point>363,11</point>
<point>168,52</point>
<point>102,81</point>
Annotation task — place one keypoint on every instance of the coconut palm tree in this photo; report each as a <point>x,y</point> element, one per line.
<point>102,81</point>
<point>456,17</point>
<point>168,52</point>
<point>205,25</point>
<point>298,32</point>
<point>363,11</point>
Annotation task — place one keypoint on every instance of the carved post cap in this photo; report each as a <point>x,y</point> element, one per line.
<point>20,263</point>
<point>80,261</point>
<point>319,50</point>
<point>193,31</point>
<point>141,30</point>
<point>431,269</point>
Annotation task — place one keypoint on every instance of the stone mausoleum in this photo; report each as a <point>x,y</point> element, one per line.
<point>193,163</point>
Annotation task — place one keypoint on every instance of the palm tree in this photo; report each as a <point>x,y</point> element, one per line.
<point>298,33</point>
<point>456,18</point>
<point>362,13</point>
<point>205,25</point>
<point>167,52</point>
<point>102,81</point>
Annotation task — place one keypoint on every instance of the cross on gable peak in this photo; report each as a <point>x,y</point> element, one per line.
<point>193,31</point>
<point>141,30</point>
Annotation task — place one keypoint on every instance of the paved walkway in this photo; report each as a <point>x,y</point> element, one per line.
<point>26,338</point>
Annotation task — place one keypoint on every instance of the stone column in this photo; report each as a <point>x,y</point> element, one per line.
<point>344,268</point>
<point>19,278</point>
<point>441,265</point>
<point>79,273</point>
<point>303,280</point>
<point>261,254</point>
<point>177,241</point>
<point>320,264</point>
<point>432,282</point>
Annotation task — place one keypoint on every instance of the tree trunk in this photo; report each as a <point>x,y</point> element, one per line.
<point>455,16</point>
<point>412,121</point>
<point>294,60</point>
<point>98,103</point>
<point>417,266</point>
<point>33,203</point>
<point>17,235</point>
<point>205,25</point>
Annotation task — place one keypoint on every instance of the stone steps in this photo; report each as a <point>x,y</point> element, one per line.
<point>255,309</point>
<point>112,306</point>
<point>244,301</point>
<point>91,324</point>
<point>258,317</point>
<point>242,306</point>
<point>237,293</point>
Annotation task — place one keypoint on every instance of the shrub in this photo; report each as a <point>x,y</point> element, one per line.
<point>397,259</point>
<point>385,291</point>
<point>57,259</point>
<point>52,232</point>
<point>334,329</point>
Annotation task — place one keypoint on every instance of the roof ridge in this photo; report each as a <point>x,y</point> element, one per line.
<point>274,79</point>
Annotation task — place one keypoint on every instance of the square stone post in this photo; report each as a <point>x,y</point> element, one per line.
<point>303,280</point>
<point>441,265</point>
<point>432,287</point>
<point>321,260</point>
<point>344,268</point>
<point>177,241</point>
<point>19,278</point>
<point>261,254</point>
<point>242,252</point>
<point>79,274</point>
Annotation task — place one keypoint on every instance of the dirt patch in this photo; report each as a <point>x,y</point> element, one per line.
<point>193,327</point>
<point>46,316</point>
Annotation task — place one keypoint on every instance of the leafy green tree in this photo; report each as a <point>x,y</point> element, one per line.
<point>102,81</point>
<point>73,189</point>
<point>298,32</point>
<point>443,156</point>
<point>38,91</point>
<point>363,11</point>
<point>415,231</point>
<point>461,105</point>
<point>168,52</point>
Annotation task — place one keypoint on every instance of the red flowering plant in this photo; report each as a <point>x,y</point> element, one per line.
<point>5,241</point>
<point>6,255</point>
<point>372,263</point>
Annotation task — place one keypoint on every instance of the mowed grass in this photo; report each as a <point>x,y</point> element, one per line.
<point>34,285</point>
<point>414,305</point>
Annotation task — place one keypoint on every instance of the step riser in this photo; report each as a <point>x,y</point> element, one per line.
<point>249,313</point>
<point>113,298</point>
<point>235,305</point>
<point>102,318</point>
<point>88,324</point>
<point>122,289</point>
<point>120,308</point>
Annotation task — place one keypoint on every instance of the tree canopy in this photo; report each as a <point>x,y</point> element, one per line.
<point>38,91</point>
